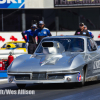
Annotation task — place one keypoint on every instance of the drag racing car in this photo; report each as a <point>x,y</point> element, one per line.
<point>16,47</point>
<point>58,59</point>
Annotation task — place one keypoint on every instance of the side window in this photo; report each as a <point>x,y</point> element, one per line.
<point>23,45</point>
<point>94,47</point>
<point>91,45</point>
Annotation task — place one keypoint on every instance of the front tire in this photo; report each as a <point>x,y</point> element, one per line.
<point>21,86</point>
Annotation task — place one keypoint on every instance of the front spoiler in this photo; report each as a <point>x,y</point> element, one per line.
<point>73,78</point>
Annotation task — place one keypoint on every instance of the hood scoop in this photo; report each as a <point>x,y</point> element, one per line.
<point>50,60</point>
<point>52,47</point>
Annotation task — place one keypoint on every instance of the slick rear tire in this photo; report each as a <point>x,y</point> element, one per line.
<point>21,86</point>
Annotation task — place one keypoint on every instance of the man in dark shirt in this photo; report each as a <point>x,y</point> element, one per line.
<point>81,30</point>
<point>30,40</point>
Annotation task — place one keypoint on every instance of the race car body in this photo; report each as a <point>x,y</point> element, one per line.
<point>16,47</point>
<point>58,59</point>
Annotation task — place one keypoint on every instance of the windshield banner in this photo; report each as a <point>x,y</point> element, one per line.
<point>12,4</point>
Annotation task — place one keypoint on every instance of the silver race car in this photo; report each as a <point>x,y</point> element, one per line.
<point>58,59</point>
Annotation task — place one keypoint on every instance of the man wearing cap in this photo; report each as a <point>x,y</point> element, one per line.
<point>41,32</point>
<point>81,30</point>
<point>91,35</point>
<point>30,40</point>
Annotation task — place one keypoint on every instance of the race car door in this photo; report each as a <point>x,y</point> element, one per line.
<point>94,57</point>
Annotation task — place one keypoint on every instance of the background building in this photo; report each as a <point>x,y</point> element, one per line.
<point>62,17</point>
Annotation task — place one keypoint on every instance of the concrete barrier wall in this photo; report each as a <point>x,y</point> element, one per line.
<point>16,36</point>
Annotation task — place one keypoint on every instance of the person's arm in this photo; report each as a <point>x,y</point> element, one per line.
<point>33,37</point>
<point>88,34</point>
<point>23,35</point>
<point>48,33</point>
<point>92,35</point>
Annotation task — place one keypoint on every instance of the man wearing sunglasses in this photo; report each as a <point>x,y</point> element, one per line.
<point>41,32</point>
<point>29,40</point>
<point>81,30</point>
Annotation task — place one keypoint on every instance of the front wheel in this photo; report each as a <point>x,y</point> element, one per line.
<point>21,86</point>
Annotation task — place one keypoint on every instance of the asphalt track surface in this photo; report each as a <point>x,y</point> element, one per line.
<point>91,91</point>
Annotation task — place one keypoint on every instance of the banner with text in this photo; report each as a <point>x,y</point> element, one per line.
<point>11,4</point>
<point>67,3</point>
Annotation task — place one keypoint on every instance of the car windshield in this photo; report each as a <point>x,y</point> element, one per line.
<point>18,45</point>
<point>69,44</point>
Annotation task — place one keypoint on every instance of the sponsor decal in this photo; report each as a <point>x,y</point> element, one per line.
<point>12,4</point>
<point>79,77</point>
<point>58,46</point>
<point>2,39</point>
<point>84,32</point>
<point>96,64</point>
<point>13,38</point>
<point>44,32</point>
<point>99,36</point>
<point>78,32</point>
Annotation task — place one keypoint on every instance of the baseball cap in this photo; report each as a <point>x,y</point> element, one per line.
<point>41,22</point>
<point>81,24</point>
<point>34,26</point>
<point>85,26</point>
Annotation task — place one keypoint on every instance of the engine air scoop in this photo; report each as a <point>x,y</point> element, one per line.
<point>53,47</point>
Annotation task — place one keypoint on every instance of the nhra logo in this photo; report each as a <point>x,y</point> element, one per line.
<point>79,77</point>
<point>12,3</point>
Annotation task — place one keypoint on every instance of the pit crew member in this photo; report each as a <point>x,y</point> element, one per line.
<point>30,40</point>
<point>81,30</point>
<point>41,32</point>
<point>91,35</point>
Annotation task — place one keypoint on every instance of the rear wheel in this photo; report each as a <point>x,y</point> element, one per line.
<point>21,86</point>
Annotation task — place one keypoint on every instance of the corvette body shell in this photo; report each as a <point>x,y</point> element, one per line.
<point>57,67</point>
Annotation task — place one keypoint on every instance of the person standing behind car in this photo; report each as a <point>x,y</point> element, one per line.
<point>81,30</point>
<point>30,40</point>
<point>91,35</point>
<point>41,32</point>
